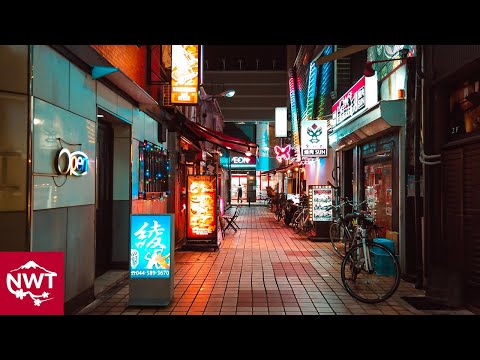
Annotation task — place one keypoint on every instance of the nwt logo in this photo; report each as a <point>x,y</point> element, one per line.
<point>31,288</point>
<point>18,279</point>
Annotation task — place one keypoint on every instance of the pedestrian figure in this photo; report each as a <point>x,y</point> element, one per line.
<point>239,194</point>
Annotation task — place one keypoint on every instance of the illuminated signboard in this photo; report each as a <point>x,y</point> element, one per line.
<point>350,104</point>
<point>150,238</point>
<point>280,122</point>
<point>243,160</point>
<point>201,206</point>
<point>71,163</point>
<point>282,153</point>
<point>314,138</point>
<point>321,197</point>
<point>184,74</point>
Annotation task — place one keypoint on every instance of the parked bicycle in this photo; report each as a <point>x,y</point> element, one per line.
<point>301,219</point>
<point>279,203</point>
<point>342,229</point>
<point>370,271</point>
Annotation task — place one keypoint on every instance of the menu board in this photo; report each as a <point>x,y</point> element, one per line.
<point>201,206</point>
<point>321,197</point>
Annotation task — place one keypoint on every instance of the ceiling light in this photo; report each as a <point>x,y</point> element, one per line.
<point>99,116</point>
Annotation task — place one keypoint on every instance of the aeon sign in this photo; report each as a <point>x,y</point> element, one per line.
<point>71,163</point>
<point>241,160</point>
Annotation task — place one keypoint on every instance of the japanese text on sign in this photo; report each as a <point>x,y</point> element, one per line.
<point>150,246</point>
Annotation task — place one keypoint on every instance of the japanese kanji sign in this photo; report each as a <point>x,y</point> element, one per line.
<point>150,246</point>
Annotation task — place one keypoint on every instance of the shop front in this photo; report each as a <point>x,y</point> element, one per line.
<point>93,159</point>
<point>370,140</point>
<point>242,168</point>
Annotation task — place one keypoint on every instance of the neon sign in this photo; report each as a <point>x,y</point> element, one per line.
<point>282,153</point>
<point>241,160</point>
<point>75,163</point>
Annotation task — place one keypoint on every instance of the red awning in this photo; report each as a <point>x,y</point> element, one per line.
<point>220,139</point>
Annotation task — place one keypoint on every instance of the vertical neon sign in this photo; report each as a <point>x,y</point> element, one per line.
<point>294,112</point>
<point>312,82</point>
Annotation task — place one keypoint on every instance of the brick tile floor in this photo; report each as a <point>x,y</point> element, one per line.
<point>262,269</point>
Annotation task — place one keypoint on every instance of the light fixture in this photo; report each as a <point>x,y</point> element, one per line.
<point>229,93</point>
<point>99,116</point>
<point>228,147</point>
<point>205,97</point>
<point>369,71</point>
<point>248,152</point>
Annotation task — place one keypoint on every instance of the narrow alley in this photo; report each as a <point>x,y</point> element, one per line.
<point>262,269</point>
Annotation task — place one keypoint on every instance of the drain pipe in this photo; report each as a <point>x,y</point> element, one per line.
<point>418,168</point>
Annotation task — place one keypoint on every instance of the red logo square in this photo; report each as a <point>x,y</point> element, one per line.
<point>31,283</point>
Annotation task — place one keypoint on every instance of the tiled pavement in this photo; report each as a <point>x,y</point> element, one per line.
<point>263,269</point>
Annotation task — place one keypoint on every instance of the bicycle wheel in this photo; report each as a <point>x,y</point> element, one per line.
<point>299,224</point>
<point>374,283</point>
<point>338,238</point>
<point>278,213</point>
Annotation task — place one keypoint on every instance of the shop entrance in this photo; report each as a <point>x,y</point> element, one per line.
<point>239,181</point>
<point>103,238</point>
<point>348,177</point>
<point>113,200</point>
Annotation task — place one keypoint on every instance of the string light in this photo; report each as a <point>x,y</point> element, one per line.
<point>155,165</point>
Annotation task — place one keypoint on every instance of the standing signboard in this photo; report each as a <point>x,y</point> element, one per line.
<point>321,198</point>
<point>151,259</point>
<point>202,210</point>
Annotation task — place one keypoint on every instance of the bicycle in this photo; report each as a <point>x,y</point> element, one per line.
<point>301,219</point>
<point>370,272</point>
<point>342,229</point>
<point>280,201</point>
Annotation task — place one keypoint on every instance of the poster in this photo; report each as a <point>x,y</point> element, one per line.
<point>321,197</point>
<point>201,207</point>
<point>150,238</point>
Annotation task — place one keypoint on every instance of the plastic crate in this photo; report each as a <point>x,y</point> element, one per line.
<point>382,262</point>
<point>389,244</point>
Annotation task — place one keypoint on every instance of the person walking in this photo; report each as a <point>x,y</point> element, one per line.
<point>239,194</point>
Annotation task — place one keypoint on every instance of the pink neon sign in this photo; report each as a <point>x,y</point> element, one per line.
<point>282,153</point>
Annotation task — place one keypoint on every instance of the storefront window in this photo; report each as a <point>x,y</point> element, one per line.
<point>378,193</point>
<point>465,111</point>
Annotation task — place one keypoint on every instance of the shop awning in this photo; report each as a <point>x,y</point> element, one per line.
<point>379,118</point>
<point>220,139</point>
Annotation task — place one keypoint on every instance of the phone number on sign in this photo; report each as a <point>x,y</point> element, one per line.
<point>149,273</point>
